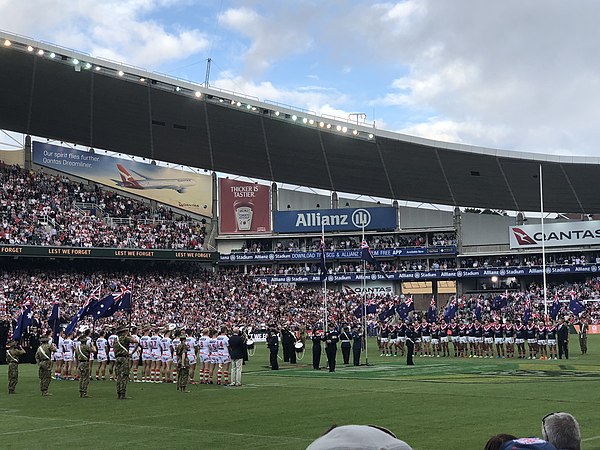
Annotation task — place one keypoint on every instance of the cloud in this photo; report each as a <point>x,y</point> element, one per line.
<point>115,29</point>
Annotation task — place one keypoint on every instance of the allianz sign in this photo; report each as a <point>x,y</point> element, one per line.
<point>346,219</point>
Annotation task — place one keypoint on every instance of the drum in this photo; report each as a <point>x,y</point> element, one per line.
<point>299,346</point>
<point>250,344</point>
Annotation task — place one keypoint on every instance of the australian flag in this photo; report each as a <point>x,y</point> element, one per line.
<point>499,302</point>
<point>527,312</point>
<point>478,310</point>
<point>575,305</point>
<point>54,321</point>
<point>322,266</point>
<point>24,320</point>
<point>85,309</point>
<point>555,310</point>
<point>431,312</point>
<point>387,313</point>
<point>111,304</point>
<point>451,310</point>
<point>367,255</point>
<point>404,308</point>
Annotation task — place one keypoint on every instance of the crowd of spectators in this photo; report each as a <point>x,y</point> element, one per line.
<point>37,208</point>
<point>552,259</point>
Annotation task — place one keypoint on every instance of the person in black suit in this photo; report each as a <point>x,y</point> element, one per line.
<point>236,352</point>
<point>410,344</point>
<point>331,341</point>
<point>356,345</point>
<point>273,345</point>
<point>317,337</point>
<point>562,334</point>
<point>346,344</point>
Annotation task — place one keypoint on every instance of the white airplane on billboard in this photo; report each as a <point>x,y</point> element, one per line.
<point>128,181</point>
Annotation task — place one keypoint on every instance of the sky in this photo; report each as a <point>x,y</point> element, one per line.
<point>512,74</point>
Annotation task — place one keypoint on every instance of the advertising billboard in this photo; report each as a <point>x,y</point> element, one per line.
<point>244,208</point>
<point>563,234</point>
<point>343,219</point>
<point>178,188</point>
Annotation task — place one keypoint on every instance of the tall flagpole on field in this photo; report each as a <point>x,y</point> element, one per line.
<point>325,327</point>
<point>364,291</point>
<point>543,248</point>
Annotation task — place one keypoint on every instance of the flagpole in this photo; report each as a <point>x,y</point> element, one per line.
<point>364,286</point>
<point>130,305</point>
<point>324,286</point>
<point>543,248</point>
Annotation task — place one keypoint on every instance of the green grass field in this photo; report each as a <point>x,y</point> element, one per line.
<point>441,403</point>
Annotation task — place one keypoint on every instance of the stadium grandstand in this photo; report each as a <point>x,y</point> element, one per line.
<point>214,209</point>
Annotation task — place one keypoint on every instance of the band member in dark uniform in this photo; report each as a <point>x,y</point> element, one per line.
<point>356,345</point>
<point>273,346</point>
<point>331,341</point>
<point>345,344</point>
<point>562,333</point>
<point>317,337</point>
<point>291,339</point>
<point>410,345</point>
<point>286,345</point>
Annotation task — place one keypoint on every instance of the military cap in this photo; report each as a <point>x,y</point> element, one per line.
<point>44,339</point>
<point>122,329</point>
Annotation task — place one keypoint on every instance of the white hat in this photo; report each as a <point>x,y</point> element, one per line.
<point>353,437</point>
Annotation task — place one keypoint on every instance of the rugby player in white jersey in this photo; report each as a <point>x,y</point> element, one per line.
<point>212,355</point>
<point>68,357</point>
<point>58,356</point>
<point>111,354</point>
<point>101,344</point>
<point>155,350</point>
<point>191,343</point>
<point>166,350</point>
<point>146,355</point>
<point>224,358</point>
<point>204,356</point>
<point>134,352</point>
<point>174,344</point>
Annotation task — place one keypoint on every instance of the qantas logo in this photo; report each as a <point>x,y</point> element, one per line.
<point>522,237</point>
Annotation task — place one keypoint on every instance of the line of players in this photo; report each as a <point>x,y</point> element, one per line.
<point>473,339</point>
<point>153,359</point>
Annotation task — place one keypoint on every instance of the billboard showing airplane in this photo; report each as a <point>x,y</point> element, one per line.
<point>128,181</point>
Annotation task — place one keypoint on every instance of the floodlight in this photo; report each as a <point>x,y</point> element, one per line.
<point>321,124</point>
<point>177,89</point>
<point>29,48</point>
<point>305,120</point>
<point>198,94</point>
<point>277,113</point>
<point>97,68</point>
<point>120,73</point>
<point>294,117</point>
<point>7,43</point>
<point>344,129</point>
<point>142,80</point>
<point>370,135</point>
<point>74,61</point>
<point>52,55</point>
<point>88,66</point>
<point>338,127</point>
<point>41,52</point>
<point>354,132</point>
<point>328,126</point>
<point>248,106</point>
<point>311,122</point>
<point>239,103</point>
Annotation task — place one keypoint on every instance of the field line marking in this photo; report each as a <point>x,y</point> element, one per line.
<point>590,439</point>
<point>47,428</point>
<point>133,425</point>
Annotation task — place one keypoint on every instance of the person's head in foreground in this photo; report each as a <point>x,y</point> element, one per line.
<point>531,443</point>
<point>358,437</point>
<point>495,442</point>
<point>562,430</point>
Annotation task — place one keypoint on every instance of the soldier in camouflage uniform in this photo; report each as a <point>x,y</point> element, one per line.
<point>183,364</point>
<point>43,357</point>
<point>83,352</point>
<point>122,359</point>
<point>13,352</point>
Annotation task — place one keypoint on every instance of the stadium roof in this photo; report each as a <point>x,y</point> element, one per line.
<point>64,95</point>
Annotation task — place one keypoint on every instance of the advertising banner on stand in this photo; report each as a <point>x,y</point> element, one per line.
<point>244,208</point>
<point>561,234</point>
<point>181,189</point>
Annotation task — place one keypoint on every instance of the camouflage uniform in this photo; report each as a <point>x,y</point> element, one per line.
<point>122,360</point>
<point>83,353</point>
<point>183,365</point>
<point>13,353</point>
<point>43,358</point>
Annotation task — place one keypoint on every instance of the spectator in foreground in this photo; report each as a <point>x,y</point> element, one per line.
<point>562,430</point>
<point>358,437</point>
<point>495,442</point>
<point>531,443</point>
